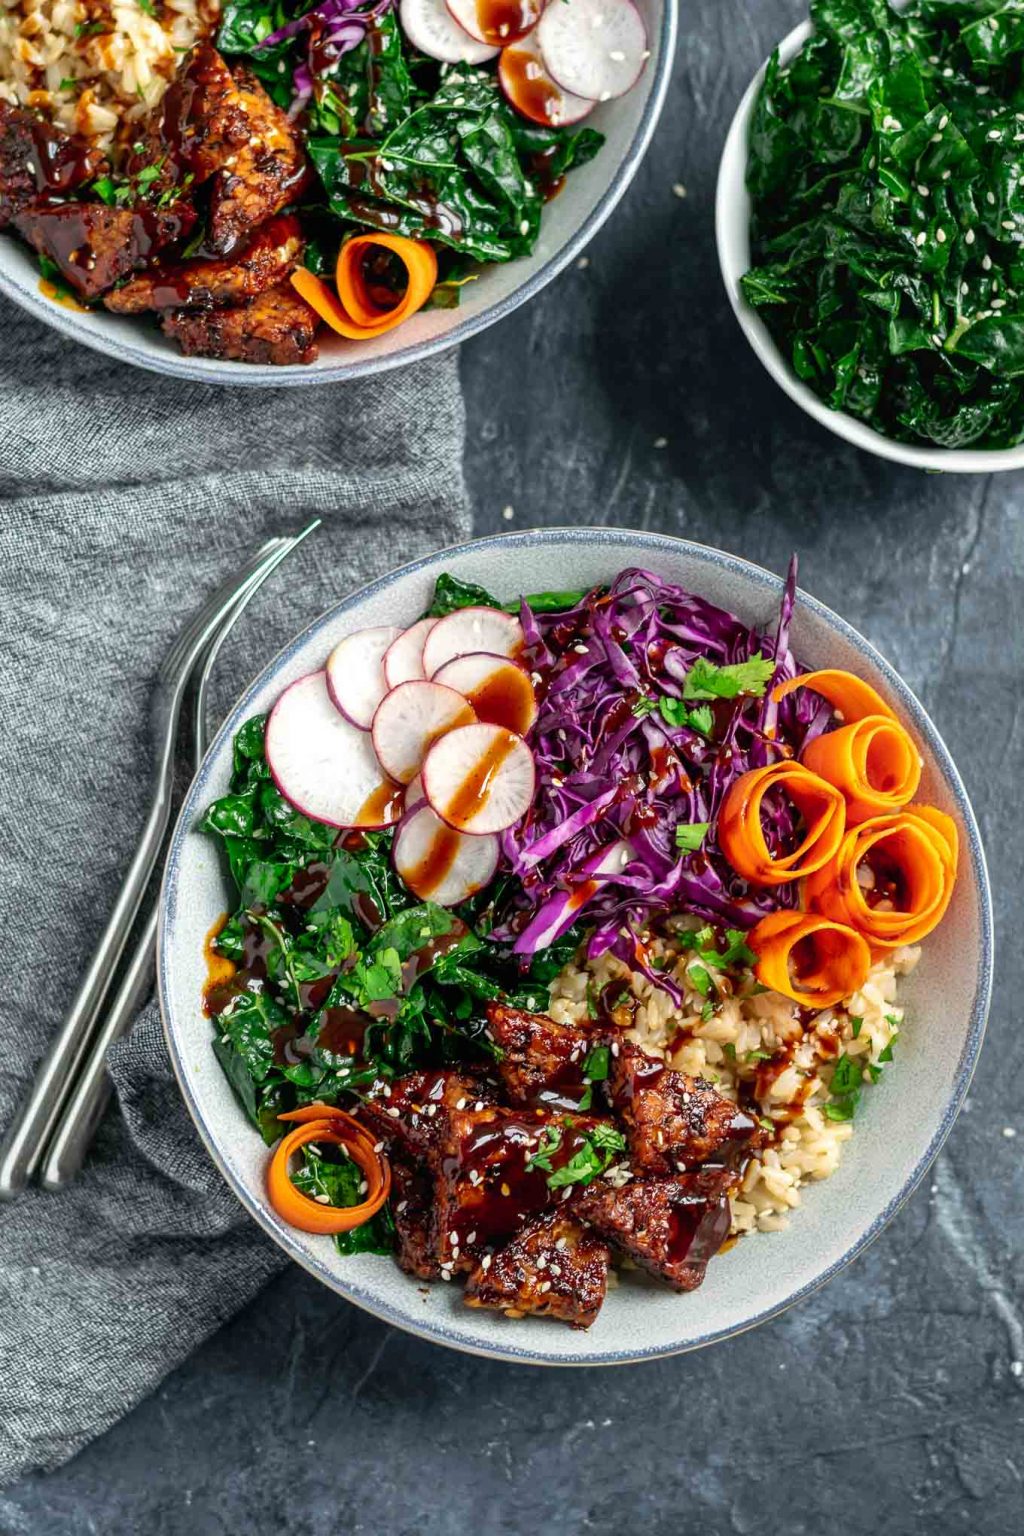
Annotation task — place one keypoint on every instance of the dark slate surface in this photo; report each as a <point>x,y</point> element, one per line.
<point>894,1400</point>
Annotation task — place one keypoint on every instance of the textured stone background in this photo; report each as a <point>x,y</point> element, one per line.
<point>893,1401</point>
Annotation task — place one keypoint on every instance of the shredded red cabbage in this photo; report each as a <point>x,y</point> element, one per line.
<point>335,27</point>
<point>615,779</point>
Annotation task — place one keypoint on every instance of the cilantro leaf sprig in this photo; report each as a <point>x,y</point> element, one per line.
<point>750,678</point>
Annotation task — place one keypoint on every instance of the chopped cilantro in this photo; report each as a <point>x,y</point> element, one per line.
<point>91,28</point>
<point>707,1013</point>
<point>69,83</point>
<point>729,1050</point>
<point>644,705</point>
<point>105,190</point>
<point>550,1142</point>
<point>597,1065</point>
<point>699,977</point>
<point>675,712</point>
<point>148,7</point>
<point>757,1056</point>
<point>885,1054</point>
<point>690,835</point>
<point>705,680</point>
<point>858,1025</point>
<point>592,1158</point>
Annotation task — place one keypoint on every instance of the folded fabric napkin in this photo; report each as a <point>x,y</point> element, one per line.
<point>124,499</point>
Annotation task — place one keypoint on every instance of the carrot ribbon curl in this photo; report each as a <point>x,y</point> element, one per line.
<point>741,833</point>
<point>354,312</point>
<point>809,958</point>
<point>870,758</point>
<point>892,878</point>
<point>322,1122</point>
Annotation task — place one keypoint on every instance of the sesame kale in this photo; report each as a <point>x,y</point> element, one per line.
<point>886,168</point>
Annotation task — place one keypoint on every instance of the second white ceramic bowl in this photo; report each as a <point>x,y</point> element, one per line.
<point>732,232</point>
<point>900,1125</point>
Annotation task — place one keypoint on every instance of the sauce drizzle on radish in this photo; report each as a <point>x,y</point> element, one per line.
<point>474,791</point>
<point>382,806</point>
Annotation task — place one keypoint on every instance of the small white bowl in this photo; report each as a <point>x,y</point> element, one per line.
<point>732,232</point>
<point>900,1126</point>
<point>570,220</point>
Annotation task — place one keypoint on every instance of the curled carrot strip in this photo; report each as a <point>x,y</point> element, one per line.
<point>741,834</point>
<point>809,958</point>
<point>850,696</point>
<point>873,763</point>
<point>322,1122</point>
<point>353,312</point>
<point>892,878</point>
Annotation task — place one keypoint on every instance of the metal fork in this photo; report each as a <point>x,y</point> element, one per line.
<point>79,1118</point>
<point>22,1147</point>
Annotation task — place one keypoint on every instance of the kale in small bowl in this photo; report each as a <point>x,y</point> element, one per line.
<point>886,178</point>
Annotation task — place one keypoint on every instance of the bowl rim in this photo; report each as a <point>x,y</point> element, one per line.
<point>732,222</point>
<point>967,1061</point>
<point>256,375</point>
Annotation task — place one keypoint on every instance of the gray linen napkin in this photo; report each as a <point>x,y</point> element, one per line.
<point>124,499</point>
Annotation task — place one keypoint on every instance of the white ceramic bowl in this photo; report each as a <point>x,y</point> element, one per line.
<point>732,232</point>
<point>900,1125</point>
<point>570,220</point>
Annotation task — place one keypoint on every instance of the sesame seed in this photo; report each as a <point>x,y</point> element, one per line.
<point>922,237</point>
<point>995,134</point>
<point>505,1190</point>
<point>455,1253</point>
<point>990,198</point>
<point>431,1111</point>
<point>400,1207</point>
<point>891,124</point>
<point>1008,224</point>
<point>998,303</point>
<point>471,1238</point>
<point>964,289</point>
<point>524,227</point>
<point>940,235</point>
<point>322,1199</point>
<point>486,1261</point>
<point>378,1146</point>
<point>947,73</point>
<point>478,1106</point>
<point>936,138</point>
<point>545,1286</point>
<point>933,58</point>
<point>922,189</point>
<point>363,1186</point>
<point>969,237</point>
<point>561,1243</point>
<point>661,442</point>
<point>460,1104</point>
<point>453,1239</point>
<point>678,190</point>
<point>946,175</point>
<point>944,121</point>
<point>986,263</point>
<point>393,1113</point>
<point>508,513</point>
<point>542,1262</point>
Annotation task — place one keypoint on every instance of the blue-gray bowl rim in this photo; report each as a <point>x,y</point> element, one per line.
<point>171,365</point>
<point>654,542</point>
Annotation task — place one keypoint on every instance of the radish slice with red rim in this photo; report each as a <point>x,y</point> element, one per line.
<point>594,48</point>
<point>439,864</point>
<point>479,778</point>
<point>409,720</point>
<point>403,659</point>
<point>355,673</point>
<point>498,689</point>
<point>531,90</point>
<point>414,795</point>
<point>498,22</point>
<point>430,27</point>
<point>322,764</point>
<point>472,629</point>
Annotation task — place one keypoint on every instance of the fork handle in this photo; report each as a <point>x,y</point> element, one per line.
<point>22,1146</point>
<point>81,1115</point>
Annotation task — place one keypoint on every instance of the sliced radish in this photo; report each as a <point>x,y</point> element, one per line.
<point>414,795</point>
<point>479,778</point>
<point>531,90</point>
<point>403,660</point>
<point>496,21</point>
<point>430,27</point>
<point>499,690</point>
<point>355,673</point>
<point>439,864</point>
<point>409,720</point>
<point>472,629</point>
<point>322,764</point>
<point>594,48</point>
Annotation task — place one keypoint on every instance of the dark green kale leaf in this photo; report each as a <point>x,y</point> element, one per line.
<point>336,1181</point>
<point>451,594</point>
